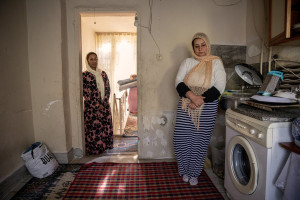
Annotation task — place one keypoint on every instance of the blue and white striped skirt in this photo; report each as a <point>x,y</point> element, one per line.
<point>190,145</point>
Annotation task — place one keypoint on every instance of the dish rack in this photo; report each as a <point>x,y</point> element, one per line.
<point>291,73</point>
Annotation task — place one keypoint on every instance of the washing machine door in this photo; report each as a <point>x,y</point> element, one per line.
<point>242,165</point>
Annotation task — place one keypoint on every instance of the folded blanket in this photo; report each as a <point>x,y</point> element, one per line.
<point>128,85</point>
<point>125,81</point>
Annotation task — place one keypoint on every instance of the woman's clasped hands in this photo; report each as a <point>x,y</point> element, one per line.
<point>196,101</point>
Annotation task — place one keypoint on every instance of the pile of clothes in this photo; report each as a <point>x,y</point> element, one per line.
<point>127,83</point>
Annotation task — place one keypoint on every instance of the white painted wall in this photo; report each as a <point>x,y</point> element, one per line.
<point>40,73</point>
<point>88,40</point>
<point>52,62</point>
<point>45,66</point>
<point>174,23</point>
<point>257,31</point>
<point>16,126</point>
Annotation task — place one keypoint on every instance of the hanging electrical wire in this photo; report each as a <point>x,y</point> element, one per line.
<point>149,28</point>
<point>150,17</point>
<point>94,17</point>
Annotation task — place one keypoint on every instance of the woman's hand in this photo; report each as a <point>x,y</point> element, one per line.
<point>196,100</point>
<point>192,106</point>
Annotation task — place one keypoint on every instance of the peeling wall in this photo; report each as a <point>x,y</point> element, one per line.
<point>172,32</point>
<point>156,137</point>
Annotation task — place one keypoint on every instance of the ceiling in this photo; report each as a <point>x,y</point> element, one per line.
<point>109,22</point>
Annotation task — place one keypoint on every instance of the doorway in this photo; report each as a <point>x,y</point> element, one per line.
<point>113,37</point>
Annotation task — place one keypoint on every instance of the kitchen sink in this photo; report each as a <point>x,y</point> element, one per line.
<point>233,99</point>
<point>242,96</point>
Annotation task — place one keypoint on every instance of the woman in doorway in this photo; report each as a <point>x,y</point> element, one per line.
<point>199,82</point>
<point>97,112</point>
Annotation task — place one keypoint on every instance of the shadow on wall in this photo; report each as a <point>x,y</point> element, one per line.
<point>231,55</point>
<point>178,54</point>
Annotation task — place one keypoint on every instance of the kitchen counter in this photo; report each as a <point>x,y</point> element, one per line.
<point>233,100</point>
<point>280,115</point>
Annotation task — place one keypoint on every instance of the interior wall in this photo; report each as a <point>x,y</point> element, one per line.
<point>16,125</point>
<point>257,31</point>
<point>88,41</point>
<point>35,62</point>
<point>37,99</point>
<point>157,98</point>
<point>44,21</point>
<point>257,37</point>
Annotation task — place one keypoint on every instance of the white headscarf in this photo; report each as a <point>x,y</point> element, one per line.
<point>97,74</point>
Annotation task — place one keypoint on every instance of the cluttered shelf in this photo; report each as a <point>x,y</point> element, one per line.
<point>291,146</point>
<point>291,73</point>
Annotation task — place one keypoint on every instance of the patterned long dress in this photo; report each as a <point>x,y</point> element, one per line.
<point>97,122</point>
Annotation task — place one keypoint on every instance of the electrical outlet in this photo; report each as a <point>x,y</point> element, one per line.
<point>159,57</point>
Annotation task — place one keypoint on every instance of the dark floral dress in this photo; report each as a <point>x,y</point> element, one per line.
<point>97,122</point>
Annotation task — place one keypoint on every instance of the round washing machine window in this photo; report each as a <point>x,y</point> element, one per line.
<point>242,165</point>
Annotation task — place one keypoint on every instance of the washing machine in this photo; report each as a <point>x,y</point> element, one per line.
<point>253,156</point>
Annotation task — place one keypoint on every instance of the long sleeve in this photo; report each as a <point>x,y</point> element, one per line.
<point>183,70</point>
<point>182,89</point>
<point>218,82</point>
<point>90,91</point>
<point>211,94</point>
<point>107,86</point>
<point>219,76</point>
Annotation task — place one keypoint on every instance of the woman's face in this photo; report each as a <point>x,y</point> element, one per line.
<point>93,61</point>
<point>200,48</point>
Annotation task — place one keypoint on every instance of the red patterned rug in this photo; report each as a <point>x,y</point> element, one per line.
<point>158,180</point>
<point>131,129</point>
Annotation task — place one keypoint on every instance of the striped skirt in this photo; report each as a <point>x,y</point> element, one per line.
<point>190,145</point>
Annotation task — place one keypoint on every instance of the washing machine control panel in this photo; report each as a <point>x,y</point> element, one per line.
<point>253,131</point>
<point>251,128</point>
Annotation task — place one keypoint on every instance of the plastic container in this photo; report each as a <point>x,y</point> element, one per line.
<point>218,159</point>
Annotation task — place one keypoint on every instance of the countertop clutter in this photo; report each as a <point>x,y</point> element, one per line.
<point>278,115</point>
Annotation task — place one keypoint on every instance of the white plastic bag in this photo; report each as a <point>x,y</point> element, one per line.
<point>40,162</point>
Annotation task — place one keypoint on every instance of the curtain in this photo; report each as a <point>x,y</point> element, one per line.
<point>117,56</point>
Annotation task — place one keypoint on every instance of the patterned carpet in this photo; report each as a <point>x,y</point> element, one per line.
<point>52,187</point>
<point>128,142</point>
<point>158,180</point>
<point>123,145</point>
<point>131,126</point>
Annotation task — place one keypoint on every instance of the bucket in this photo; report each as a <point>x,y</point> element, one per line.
<point>218,159</point>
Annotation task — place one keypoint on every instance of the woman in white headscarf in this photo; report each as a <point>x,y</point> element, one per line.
<point>97,112</point>
<point>199,82</point>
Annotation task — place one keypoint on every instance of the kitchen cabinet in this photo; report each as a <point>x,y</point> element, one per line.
<point>284,22</point>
